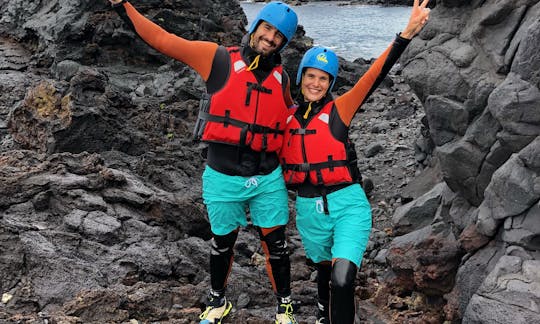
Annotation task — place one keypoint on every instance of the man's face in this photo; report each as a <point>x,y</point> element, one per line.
<point>266,39</point>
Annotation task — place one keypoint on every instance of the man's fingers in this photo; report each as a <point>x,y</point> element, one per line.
<point>424,3</point>
<point>416,2</point>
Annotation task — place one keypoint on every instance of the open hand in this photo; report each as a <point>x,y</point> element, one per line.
<point>417,20</point>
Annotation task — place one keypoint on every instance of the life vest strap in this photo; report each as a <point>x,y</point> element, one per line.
<point>255,86</point>
<point>302,131</point>
<point>258,87</point>
<point>306,167</point>
<point>227,120</point>
<point>325,200</point>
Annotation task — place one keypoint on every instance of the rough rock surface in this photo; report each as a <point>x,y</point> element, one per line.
<point>101,218</point>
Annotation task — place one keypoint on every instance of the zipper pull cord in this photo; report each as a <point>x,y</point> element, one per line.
<point>255,63</point>
<point>307,111</point>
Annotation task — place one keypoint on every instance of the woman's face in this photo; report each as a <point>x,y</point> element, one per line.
<point>315,84</point>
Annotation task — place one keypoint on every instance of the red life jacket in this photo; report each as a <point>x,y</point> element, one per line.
<point>247,113</point>
<point>313,152</point>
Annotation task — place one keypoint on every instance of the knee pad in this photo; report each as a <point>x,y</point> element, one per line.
<point>223,244</point>
<point>276,242</point>
<point>343,275</point>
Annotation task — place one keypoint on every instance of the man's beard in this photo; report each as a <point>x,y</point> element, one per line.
<point>256,44</point>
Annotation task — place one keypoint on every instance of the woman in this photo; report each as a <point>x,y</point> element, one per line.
<point>319,163</point>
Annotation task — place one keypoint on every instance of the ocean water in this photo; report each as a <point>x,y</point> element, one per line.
<point>352,31</point>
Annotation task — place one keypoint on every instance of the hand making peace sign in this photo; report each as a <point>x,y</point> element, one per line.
<point>419,17</point>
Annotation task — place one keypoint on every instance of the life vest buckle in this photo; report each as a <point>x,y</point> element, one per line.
<point>302,131</point>
<point>304,167</point>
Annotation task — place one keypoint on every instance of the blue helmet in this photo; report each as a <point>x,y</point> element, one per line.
<point>321,58</point>
<point>279,15</point>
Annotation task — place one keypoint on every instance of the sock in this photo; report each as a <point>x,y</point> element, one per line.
<point>216,298</point>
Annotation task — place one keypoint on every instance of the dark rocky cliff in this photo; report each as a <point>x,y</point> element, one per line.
<point>476,69</point>
<point>101,218</point>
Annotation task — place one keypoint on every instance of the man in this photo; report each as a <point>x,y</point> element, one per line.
<point>242,121</point>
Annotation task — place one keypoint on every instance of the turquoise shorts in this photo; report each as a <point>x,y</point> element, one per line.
<point>343,233</point>
<point>227,198</point>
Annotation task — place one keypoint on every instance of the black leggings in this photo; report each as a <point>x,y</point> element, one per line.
<point>221,259</point>
<point>335,284</point>
<point>277,258</point>
<point>278,264</point>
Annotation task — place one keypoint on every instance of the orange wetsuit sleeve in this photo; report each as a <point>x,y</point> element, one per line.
<point>199,55</point>
<point>348,104</point>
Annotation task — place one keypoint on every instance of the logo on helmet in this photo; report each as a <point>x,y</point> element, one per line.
<point>322,58</point>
